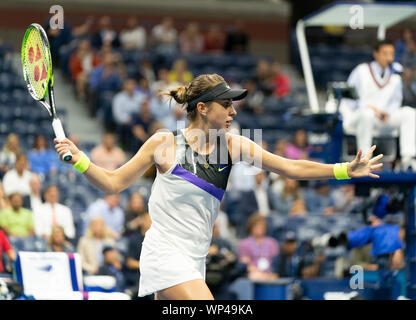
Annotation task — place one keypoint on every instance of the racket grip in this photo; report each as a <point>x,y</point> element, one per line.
<point>60,135</point>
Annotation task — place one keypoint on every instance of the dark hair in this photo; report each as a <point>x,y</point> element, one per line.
<point>36,141</point>
<point>196,88</point>
<point>379,43</point>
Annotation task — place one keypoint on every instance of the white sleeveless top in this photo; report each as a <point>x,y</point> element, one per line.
<point>185,200</point>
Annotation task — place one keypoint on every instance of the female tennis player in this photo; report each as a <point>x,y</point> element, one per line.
<point>193,166</point>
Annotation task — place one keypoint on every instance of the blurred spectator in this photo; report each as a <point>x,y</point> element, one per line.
<point>109,210</point>
<point>51,213</point>
<point>299,148</point>
<point>180,73</point>
<point>254,99</point>
<point>242,177</point>
<point>362,257</point>
<point>290,200</point>
<point>164,37</point>
<point>35,185</point>
<point>277,181</point>
<point>90,247</point>
<point>401,44</point>
<point>236,39</point>
<point>140,126</point>
<point>222,265</point>
<point>346,200</point>
<point>320,200</point>
<point>288,264</point>
<point>57,38</point>
<point>146,71</point>
<point>18,179</point>
<point>409,56</point>
<point>42,159</point>
<point>386,240</point>
<point>8,153</point>
<point>112,266</point>
<point>105,34</point>
<point>6,248</point>
<point>191,40</point>
<point>163,84</point>
<point>160,108</point>
<point>214,39</point>
<point>81,63</point>
<point>135,210</point>
<point>4,200</point>
<point>133,37</point>
<point>108,49</point>
<point>106,76</point>
<point>143,87</point>
<point>107,155</point>
<point>225,229</point>
<point>171,122</point>
<point>125,104</point>
<point>17,221</point>
<point>281,81</point>
<point>262,194</point>
<point>258,251</point>
<point>132,259</point>
<point>83,30</point>
<point>263,77</point>
<point>409,88</point>
<point>280,147</point>
<point>57,241</point>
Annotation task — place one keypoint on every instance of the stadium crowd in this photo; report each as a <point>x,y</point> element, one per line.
<point>267,222</point>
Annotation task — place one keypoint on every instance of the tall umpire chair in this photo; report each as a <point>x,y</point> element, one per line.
<point>386,141</point>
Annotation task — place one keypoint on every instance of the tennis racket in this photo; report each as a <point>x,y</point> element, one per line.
<point>37,71</point>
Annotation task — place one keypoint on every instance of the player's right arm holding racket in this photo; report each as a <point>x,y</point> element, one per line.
<point>111,182</point>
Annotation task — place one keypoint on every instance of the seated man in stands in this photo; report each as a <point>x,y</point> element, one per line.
<point>51,213</point>
<point>17,221</point>
<point>379,105</point>
<point>112,266</point>
<point>290,264</point>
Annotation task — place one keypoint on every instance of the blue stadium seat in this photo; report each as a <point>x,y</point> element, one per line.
<point>244,61</point>
<point>6,81</point>
<point>197,61</point>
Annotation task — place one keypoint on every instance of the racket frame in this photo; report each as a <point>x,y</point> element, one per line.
<point>56,123</point>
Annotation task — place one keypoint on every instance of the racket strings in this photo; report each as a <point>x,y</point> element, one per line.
<point>36,63</point>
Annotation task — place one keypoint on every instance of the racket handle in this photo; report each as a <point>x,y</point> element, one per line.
<point>60,135</point>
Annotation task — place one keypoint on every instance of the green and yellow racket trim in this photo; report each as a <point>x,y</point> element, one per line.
<point>36,61</point>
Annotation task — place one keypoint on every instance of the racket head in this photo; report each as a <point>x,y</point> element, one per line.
<point>36,61</point>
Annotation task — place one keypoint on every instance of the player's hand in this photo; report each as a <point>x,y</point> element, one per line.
<point>362,167</point>
<point>63,147</point>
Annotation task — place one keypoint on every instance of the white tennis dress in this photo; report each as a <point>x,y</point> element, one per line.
<point>183,206</point>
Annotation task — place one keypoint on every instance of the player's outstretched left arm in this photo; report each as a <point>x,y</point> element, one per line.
<point>300,169</point>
